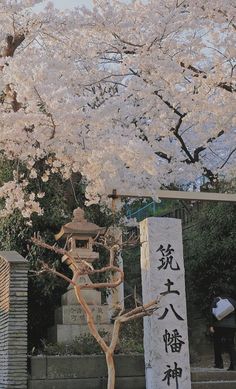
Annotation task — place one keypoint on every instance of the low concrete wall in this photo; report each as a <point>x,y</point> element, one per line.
<point>89,372</point>
<point>85,372</point>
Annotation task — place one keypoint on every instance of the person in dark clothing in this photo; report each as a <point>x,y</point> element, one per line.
<point>223,335</point>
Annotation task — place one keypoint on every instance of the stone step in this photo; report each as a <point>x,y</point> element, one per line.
<point>211,374</point>
<point>214,385</point>
<point>209,378</point>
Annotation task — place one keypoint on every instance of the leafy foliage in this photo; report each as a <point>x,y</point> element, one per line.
<point>85,344</point>
<point>210,252</point>
<point>61,198</point>
<point>131,337</point>
<point>15,234</point>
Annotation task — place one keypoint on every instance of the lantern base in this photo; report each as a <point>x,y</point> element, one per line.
<point>70,320</point>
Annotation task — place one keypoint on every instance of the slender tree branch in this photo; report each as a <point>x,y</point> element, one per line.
<point>227,159</point>
<point>47,113</point>
<point>163,155</point>
<point>175,110</point>
<point>199,149</point>
<point>126,42</point>
<point>228,86</point>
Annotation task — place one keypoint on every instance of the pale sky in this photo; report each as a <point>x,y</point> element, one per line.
<point>71,3</point>
<point>62,4</point>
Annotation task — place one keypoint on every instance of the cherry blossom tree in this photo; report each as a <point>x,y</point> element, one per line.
<point>137,95</point>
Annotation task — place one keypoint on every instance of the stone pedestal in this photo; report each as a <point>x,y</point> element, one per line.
<point>70,321</point>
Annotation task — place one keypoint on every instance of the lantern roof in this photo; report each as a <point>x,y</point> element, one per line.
<point>79,226</point>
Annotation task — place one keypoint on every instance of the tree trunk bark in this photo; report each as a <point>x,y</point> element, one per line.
<point>110,370</point>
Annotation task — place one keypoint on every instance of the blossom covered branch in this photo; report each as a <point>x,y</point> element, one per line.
<point>134,95</point>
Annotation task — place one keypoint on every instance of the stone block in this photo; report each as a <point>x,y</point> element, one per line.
<point>92,383</point>
<point>73,314</point>
<point>65,333</point>
<point>130,382</point>
<point>129,365</point>
<point>38,367</point>
<point>86,366</point>
<point>92,297</point>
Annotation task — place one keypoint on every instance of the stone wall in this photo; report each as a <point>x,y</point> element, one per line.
<point>85,372</point>
<point>89,372</point>
<point>13,320</point>
<point>4,318</point>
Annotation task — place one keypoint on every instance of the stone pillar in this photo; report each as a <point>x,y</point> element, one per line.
<point>13,320</point>
<point>165,332</point>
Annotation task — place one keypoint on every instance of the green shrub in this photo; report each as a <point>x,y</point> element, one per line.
<point>85,344</point>
<point>131,341</point>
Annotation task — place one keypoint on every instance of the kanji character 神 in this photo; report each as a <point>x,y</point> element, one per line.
<point>173,374</point>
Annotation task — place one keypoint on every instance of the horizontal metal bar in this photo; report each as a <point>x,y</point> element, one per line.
<point>181,195</point>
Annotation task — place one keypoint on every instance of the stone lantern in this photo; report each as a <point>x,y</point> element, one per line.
<point>70,321</point>
<point>80,234</point>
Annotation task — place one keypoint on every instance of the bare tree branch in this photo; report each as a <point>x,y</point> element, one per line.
<point>227,159</point>
<point>138,312</point>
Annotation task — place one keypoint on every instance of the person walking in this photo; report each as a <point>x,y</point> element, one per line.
<point>223,331</point>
